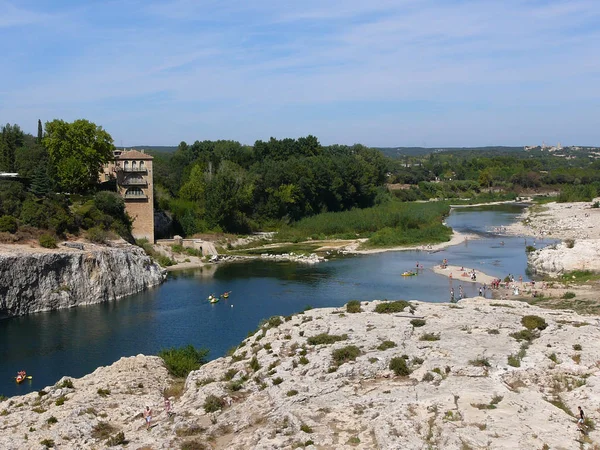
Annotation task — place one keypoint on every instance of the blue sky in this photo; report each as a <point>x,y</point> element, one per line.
<point>379,72</point>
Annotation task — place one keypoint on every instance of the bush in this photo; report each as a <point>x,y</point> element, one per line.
<point>60,401</point>
<point>480,362</point>
<point>117,439</point>
<point>533,322</point>
<point>417,323</point>
<point>525,335</point>
<point>326,339</point>
<point>51,420</point>
<point>212,403</point>
<point>568,295</point>
<point>570,243</point>
<point>291,393</point>
<point>386,344</point>
<point>530,248</point>
<point>430,337</point>
<point>306,428</point>
<point>49,443</point>
<point>67,383</point>
<point>165,261</point>
<point>103,392</point>
<point>399,366</point>
<point>47,241</point>
<point>392,307</point>
<point>277,381</point>
<point>97,235</point>
<point>254,365</point>
<point>353,306</point>
<point>8,224</point>
<point>345,354</point>
<point>181,361</point>
<point>577,347</point>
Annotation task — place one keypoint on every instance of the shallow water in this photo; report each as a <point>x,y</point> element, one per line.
<point>74,342</point>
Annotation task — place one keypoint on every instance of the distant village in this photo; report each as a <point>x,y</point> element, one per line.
<point>566,152</point>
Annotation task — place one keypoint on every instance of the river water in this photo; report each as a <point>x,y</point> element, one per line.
<point>74,342</point>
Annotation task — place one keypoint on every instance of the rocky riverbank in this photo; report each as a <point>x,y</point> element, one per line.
<point>38,279</point>
<point>429,376</point>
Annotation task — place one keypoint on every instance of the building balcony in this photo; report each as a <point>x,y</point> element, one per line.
<point>135,196</point>
<point>132,169</point>
<point>134,182</point>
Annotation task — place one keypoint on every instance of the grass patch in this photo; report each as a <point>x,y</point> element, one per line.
<point>326,339</point>
<point>67,383</point>
<point>345,354</point>
<point>418,323</point>
<point>491,405</point>
<point>212,403</point>
<point>399,367</point>
<point>430,337</point>
<point>534,322</point>
<point>306,428</point>
<point>291,392</point>
<point>385,345</point>
<point>102,430</point>
<point>353,307</point>
<point>480,361</point>
<point>181,361</point>
<point>392,307</point>
<point>525,335</point>
<point>568,295</point>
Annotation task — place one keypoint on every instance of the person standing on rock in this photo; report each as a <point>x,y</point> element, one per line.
<point>580,424</point>
<point>148,416</point>
<point>168,407</point>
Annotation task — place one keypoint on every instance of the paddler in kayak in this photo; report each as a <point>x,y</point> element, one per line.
<point>21,375</point>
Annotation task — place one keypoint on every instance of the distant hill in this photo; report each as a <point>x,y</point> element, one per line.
<point>154,148</point>
<point>398,152</point>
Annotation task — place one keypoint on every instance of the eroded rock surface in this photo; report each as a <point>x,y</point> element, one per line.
<point>278,391</point>
<point>33,280</point>
<point>568,256</point>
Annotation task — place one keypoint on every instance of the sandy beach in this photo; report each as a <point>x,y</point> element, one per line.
<point>463,274</point>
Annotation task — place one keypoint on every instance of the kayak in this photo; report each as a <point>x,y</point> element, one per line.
<point>21,377</point>
<point>408,274</point>
<point>226,295</point>
<point>213,299</point>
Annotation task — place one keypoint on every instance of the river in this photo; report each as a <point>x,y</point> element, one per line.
<point>76,341</point>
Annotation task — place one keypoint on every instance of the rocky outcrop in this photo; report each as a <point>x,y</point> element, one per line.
<point>33,280</point>
<point>465,381</point>
<point>568,256</point>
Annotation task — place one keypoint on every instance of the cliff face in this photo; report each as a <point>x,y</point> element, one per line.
<point>559,259</point>
<point>41,280</point>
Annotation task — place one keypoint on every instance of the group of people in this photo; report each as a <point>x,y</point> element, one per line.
<point>147,413</point>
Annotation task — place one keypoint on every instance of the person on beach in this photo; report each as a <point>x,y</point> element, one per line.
<point>148,416</point>
<point>461,294</point>
<point>481,292</point>
<point>452,295</point>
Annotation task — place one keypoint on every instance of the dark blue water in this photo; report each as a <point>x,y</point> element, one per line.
<point>74,342</point>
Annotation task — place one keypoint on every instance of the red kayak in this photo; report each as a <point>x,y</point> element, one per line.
<point>21,376</point>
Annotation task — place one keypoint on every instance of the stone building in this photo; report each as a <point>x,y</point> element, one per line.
<point>132,170</point>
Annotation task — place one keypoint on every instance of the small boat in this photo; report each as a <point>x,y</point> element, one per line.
<point>408,274</point>
<point>226,294</point>
<point>213,298</point>
<point>21,376</point>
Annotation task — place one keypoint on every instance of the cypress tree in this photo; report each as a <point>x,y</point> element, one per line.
<point>40,132</point>
<point>40,182</point>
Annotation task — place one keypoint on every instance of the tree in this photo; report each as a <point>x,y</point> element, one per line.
<point>77,150</point>
<point>40,132</point>
<point>11,138</point>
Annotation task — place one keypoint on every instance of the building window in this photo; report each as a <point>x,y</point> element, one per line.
<point>133,165</point>
<point>134,192</point>
<point>126,165</point>
<point>141,165</point>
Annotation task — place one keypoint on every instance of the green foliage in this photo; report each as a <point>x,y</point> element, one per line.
<point>534,322</point>
<point>345,354</point>
<point>530,248</point>
<point>212,403</point>
<point>117,439</point>
<point>51,420</point>
<point>353,306</point>
<point>277,381</point>
<point>326,339</point>
<point>480,361</point>
<point>392,307</point>
<point>386,344</point>
<point>307,429</point>
<point>48,443</point>
<point>430,337</point>
<point>47,241</point>
<point>418,322</point>
<point>577,193</point>
<point>570,243</point>
<point>525,335</point>
<point>399,367</point>
<point>291,393</point>
<point>66,384</point>
<point>181,361</point>
<point>254,365</point>
<point>568,295</point>
<point>77,150</point>
<point>8,224</point>
<point>60,401</point>
<point>577,347</point>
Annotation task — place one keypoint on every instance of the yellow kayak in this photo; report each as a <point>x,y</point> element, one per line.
<point>408,274</point>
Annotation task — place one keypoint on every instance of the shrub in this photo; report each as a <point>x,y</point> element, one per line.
<point>291,392</point>
<point>181,361</point>
<point>353,306</point>
<point>67,383</point>
<point>117,439</point>
<point>399,366</point>
<point>48,443</point>
<point>8,224</point>
<point>229,374</point>
<point>165,261</point>
<point>97,235</point>
<point>514,361</point>
<point>277,381</point>
<point>577,347</point>
<point>254,365</point>
<point>326,339</point>
<point>60,401</point>
<point>386,344</point>
<point>212,403</point>
<point>345,354</point>
<point>570,243</point>
<point>193,445</point>
<point>51,420</point>
<point>533,322</point>
<point>103,392</point>
<point>392,307</point>
<point>47,241</point>
<point>102,430</point>
<point>40,394</point>
<point>303,360</point>
<point>427,377</point>
<point>417,323</point>
<point>235,385</point>
<point>525,335</point>
<point>480,361</point>
<point>568,295</point>
<point>272,322</point>
<point>530,248</point>
<point>430,337</point>
<point>306,428</point>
